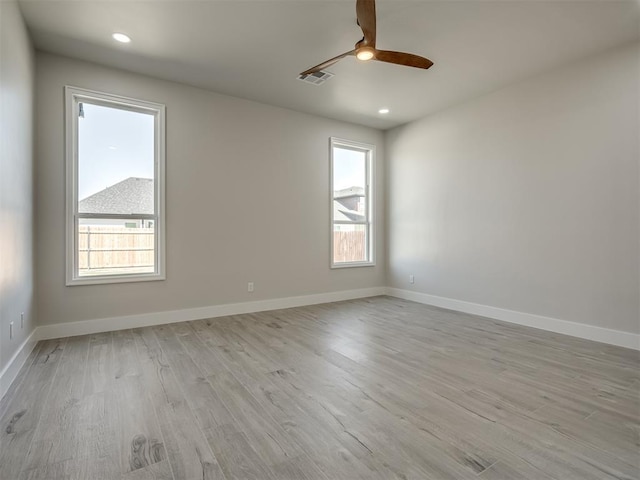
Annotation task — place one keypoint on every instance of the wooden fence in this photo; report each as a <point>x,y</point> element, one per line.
<point>111,247</point>
<point>349,247</point>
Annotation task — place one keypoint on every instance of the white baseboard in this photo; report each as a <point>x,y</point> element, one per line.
<point>580,330</point>
<point>71,329</point>
<point>11,369</point>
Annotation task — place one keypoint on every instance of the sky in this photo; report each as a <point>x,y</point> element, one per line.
<point>113,145</point>
<point>348,168</point>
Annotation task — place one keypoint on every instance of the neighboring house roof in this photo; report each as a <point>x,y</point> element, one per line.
<point>343,214</point>
<point>349,192</point>
<point>133,195</point>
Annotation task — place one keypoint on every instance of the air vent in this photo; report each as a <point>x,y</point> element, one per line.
<point>317,78</point>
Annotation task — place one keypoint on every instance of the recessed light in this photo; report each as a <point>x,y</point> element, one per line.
<point>121,37</point>
<point>383,111</point>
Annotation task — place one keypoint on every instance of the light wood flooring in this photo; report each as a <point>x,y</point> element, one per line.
<point>376,388</point>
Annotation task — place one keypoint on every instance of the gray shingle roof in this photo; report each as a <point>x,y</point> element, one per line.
<point>344,201</point>
<point>349,192</point>
<point>341,213</point>
<point>133,195</point>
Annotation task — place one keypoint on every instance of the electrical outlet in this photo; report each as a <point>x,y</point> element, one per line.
<point>22,320</point>
<point>250,287</point>
<point>10,330</point>
<point>410,278</point>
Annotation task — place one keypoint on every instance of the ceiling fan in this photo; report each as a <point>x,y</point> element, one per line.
<point>366,49</point>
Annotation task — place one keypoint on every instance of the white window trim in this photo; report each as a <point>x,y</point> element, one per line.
<point>74,96</point>
<point>370,195</point>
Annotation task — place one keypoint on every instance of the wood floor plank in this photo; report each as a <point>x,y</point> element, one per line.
<point>222,430</point>
<point>335,453</point>
<point>265,435</point>
<point>25,407</point>
<point>76,436</point>
<point>372,430</point>
<point>620,438</point>
<point>376,389</point>
<point>56,437</point>
<point>345,409</point>
<point>541,445</point>
<point>301,468</point>
<point>510,468</point>
<point>141,443</point>
<point>156,471</point>
<point>237,457</point>
<point>427,413</point>
<point>187,449</point>
<point>99,450</point>
<point>5,401</point>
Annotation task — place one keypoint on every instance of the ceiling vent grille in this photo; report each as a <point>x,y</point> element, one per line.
<point>317,78</point>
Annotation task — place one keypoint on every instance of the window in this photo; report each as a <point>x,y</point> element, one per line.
<point>351,204</point>
<point>114,188</point>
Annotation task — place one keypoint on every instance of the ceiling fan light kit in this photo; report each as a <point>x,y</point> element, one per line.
<point>366,49</point>
<point>365,53</point>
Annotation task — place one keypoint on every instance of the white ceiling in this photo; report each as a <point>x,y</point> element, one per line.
<point>255,49</point>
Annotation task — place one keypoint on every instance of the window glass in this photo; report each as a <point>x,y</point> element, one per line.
<point>115,159</point>
<point>351,240</point>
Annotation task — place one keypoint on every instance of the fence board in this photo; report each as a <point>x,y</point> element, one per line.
<point>349,247</point>
<point>102,247</point>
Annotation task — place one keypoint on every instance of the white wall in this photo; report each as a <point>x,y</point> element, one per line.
<point>16,185</point>
<point>526,199</point>
<point>274,161</point>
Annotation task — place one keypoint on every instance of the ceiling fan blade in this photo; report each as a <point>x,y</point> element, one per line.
<point>401,58</point>
<point>328,63</point>
<point>366,13</point>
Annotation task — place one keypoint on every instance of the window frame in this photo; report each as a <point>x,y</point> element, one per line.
<point>73,97</point>
<point>370,151</point>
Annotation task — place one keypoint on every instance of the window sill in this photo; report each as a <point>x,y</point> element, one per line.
<point>352,265</point>
<point>102,280</point>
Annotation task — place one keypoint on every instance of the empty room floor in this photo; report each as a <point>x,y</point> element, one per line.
<point>377,388</point>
